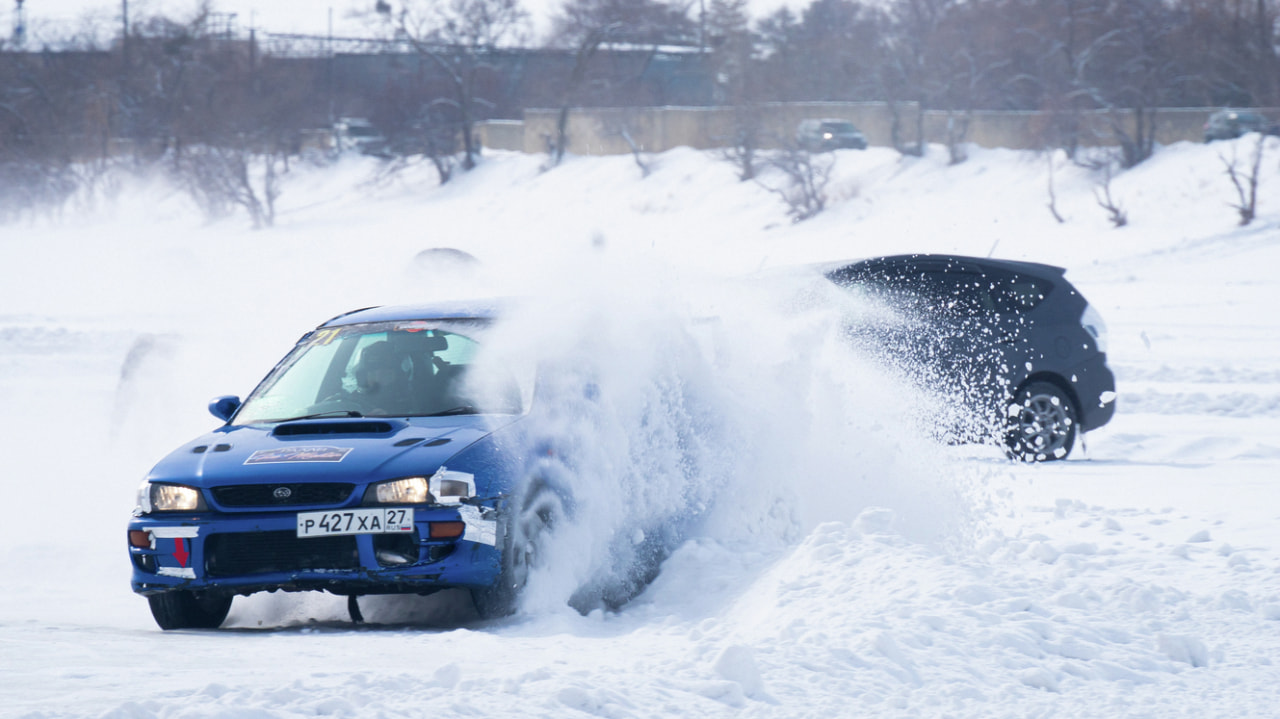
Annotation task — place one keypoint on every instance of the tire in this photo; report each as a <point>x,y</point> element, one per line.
<point>183,609</point>
<point>526,533</point>
<point>1042,424</point>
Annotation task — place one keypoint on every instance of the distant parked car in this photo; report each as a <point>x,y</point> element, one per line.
<point>1014,343</point>
<point>357,133</point>
<point>827,134</point>
<point>1230,124</point>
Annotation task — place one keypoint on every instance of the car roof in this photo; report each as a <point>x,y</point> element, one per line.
<point>479,309</point>
<point>1034,269</point>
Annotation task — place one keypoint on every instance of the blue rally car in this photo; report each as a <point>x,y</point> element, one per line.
<point>379,456</point>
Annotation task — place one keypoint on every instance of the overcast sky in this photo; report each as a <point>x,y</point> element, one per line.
<point>303,16</point>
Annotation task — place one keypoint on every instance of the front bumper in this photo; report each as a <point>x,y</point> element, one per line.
<point>253,552</point>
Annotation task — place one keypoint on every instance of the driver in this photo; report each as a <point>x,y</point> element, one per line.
<point>382,384</point>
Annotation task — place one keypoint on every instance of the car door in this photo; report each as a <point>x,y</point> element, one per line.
<point>972,336</point>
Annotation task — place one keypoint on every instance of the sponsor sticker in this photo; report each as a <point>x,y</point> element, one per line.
<point>313,453</point>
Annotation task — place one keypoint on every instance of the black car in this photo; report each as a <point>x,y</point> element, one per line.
<point>1011,349</point>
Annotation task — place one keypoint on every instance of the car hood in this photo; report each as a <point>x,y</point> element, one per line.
<point>348,450</point>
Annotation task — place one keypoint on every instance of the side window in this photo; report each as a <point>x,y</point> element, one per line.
<point>460,350</point>
<point>959,293</point>
<point>1018,294</point>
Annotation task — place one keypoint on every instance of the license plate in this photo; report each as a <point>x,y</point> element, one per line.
<point>355,521</point>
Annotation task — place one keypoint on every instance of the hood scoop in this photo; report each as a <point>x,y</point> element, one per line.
<point>312,429</point>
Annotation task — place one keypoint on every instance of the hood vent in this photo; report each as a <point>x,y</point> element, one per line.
<point>301,429</point>
<point>415,440</point>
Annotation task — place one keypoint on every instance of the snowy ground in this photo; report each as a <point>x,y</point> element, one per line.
<point>860,571</point>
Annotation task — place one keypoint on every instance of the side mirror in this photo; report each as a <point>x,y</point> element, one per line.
<point>224,407</point>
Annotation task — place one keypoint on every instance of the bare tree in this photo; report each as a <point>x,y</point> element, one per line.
<point>413,128</point>
<point>222,177</point>
<point>638,22</point>
<point>54,127</point>
<point>743,147</point>
<point>1102,194</point>
<point>735,70</point>
<point>1053,195</point>
<point>913,73</point>
<point>625,125</point>
<point>458,36</point>
<point>587,48</point>
<point>1246,182</point>
<point>833,51</point>
<point>807,177</point>
<point>226,120</point>
<point>964,58</point>
<point>586,26</point>
<point>1230,51</point>
<point>1076,56</point>
<point>1135,73</point>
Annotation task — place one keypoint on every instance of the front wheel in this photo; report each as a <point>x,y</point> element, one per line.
<point>1042,424</point>
<point>527,532</point>
<point>182,609</point>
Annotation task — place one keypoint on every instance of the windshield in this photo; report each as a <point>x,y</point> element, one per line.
<point>388,369</point>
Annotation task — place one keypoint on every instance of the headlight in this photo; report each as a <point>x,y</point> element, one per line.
<point>443,487</point>
<point>410,490</point>
<point>154,497</point>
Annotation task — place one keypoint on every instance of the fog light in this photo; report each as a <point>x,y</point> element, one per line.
<point>447,530</point>
<point>140,538</point>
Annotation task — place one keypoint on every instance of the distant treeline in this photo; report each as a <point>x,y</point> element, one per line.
<point>430,69</point>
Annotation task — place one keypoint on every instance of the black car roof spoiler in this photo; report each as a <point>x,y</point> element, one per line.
<point>1030,268</point>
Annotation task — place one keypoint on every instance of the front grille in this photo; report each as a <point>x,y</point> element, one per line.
<point>269,495</point>
<point>237,554</point>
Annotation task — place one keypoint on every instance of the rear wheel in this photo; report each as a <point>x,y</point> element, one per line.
<point>184,609</point>
<point>1042,424</point>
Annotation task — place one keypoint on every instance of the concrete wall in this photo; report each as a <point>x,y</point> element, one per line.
<point>501,134</point>
<point>603,131</point>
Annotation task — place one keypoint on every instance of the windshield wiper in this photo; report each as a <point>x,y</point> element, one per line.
<point>330,413</point>
<point>460,409</point>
